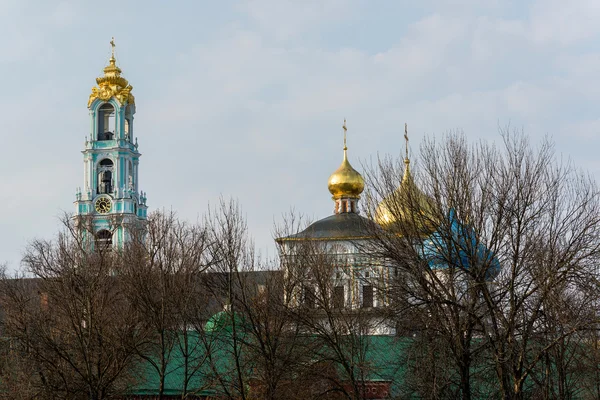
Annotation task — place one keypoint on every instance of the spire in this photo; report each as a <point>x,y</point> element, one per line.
<point>111,69</point>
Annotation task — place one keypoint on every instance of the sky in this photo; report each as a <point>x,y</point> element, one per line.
<point>246,99</point>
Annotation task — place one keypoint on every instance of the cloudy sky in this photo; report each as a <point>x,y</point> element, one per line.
<point>246,99</point>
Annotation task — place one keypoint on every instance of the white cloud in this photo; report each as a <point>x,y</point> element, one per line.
<point>555,22</point>
<point>283,20</point>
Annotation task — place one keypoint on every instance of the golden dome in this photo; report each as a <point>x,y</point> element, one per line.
<point>408,206</point>
<point>112,84</point>
<point>112,74</point>
<point>345,181</point>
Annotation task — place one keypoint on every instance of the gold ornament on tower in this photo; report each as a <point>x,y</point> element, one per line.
<point>112,84</point>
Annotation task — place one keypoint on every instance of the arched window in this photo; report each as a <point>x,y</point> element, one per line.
<point>105,173</point>
<point>106,122</point>
<point>127,129</point>
<point>130,182</point>
<point>103,239</point>
<point>128,123</point>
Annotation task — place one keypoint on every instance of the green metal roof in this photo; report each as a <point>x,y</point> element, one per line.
<point>211,362</point>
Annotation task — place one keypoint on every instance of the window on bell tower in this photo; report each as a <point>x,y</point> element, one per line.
<point>130,183</point>
<point>106,122</point>
<point>128,119</point>
<point>105,173</point>
<point>103,240</point>
<point>127,129</point>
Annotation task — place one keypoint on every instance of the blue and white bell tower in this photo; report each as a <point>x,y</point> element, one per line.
<point>110,199</point>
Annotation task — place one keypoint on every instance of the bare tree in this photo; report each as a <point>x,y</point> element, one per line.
<point>160,270</point>
<point>255,333</point>
<point>500,237</point>
<point>547,238</point>
<point>17,371</point>
<point>71,323</point>
<point>432,292</point>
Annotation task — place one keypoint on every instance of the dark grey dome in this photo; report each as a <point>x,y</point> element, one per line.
<point>338,226</point>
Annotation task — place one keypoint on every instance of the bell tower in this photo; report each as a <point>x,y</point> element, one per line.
<point>110,199</point>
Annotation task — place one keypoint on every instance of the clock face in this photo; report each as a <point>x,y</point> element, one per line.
<point>103,205</point>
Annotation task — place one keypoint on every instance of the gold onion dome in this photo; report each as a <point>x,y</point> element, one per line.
<point>112,74</point>
<point>407,207</point>
<point>112,84</point>
<point>345,181</point>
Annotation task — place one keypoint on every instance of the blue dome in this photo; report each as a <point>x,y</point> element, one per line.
<point>458,247</point>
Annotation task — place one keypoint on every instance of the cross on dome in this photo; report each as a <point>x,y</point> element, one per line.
<point>345,130</point>
<point>406,139</point>
<point>112,44</point>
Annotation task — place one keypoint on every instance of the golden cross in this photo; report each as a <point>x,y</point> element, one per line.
<point>406,138</point>
<point>345,129</point>
<point>112,43</point>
